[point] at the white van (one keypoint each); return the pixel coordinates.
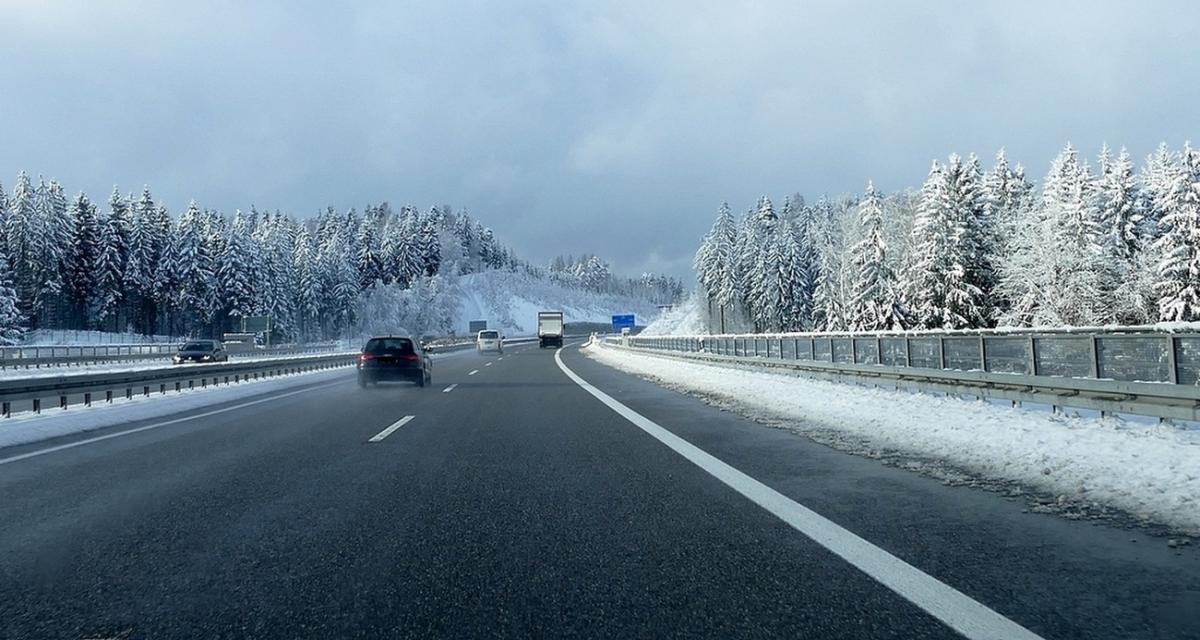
(489, 340)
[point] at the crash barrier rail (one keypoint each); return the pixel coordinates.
(1133, 370)
(65, 356)
(146, 382)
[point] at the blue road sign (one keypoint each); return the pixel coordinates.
(622, 321)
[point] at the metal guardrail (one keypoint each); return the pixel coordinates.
(159, 380)
(1110, 371)
(37, 357)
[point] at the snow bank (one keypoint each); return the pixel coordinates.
(685, 319)
(1148, 470)
(510, 302)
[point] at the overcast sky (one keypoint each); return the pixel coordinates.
(607, 127)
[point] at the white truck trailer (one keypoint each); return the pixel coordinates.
(550, 329)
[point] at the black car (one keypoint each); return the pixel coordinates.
(201, 351)
(394, 358)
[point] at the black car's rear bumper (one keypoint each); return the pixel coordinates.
(375, 374)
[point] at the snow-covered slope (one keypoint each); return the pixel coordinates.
(510, 301)
(685, 319)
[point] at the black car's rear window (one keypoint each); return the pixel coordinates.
(196, 346)
(389, 345)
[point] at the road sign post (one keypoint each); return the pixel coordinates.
(257, 324)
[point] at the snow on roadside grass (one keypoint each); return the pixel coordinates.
(1147, 470)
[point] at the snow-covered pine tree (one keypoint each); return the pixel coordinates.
(84, 256)
(12, 326)
(236, 279)
(1128, 296)
(429, 245)
(707, 261)
(936, 291)
(979, 239)
(1162, 180)
(108, 285)
(23, 236)
(193, 270)
(307, 291)
(1178, 282)
(160, 231)
(368, 260)
(876, 300)
(829, 314)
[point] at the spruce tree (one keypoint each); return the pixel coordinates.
(876, 304)
(84, 256)
(936, 291)
(1178, 284)
(12, 327)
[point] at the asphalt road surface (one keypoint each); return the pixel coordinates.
(519, 504)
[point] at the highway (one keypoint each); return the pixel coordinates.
(535, 496)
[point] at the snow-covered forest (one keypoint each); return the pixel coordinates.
(130, 265)
(974, 248)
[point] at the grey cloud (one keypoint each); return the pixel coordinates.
(614, 128)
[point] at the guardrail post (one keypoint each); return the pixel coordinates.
(942, 351)
(62, 402)
(87, 399)
(6, 409)
(108, 396)
(129, 393)
(1033, 360)
(907, 352)
(982, 355)
(1095, 359)
(1172, 367)
(37, 405)
(853, 350)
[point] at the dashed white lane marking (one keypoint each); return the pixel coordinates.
(500, 358)
(957, 610)
(205, 414)
(487, 364)
(473, 372)
(388, 431)
(450, 388)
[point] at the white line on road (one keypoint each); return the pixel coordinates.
(109, 436)
(500, 358)
(957, 610)
(388, 431)
(473, 372)
(450, 388)
(487, 364)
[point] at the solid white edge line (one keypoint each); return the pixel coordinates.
(473, 372)
(969, 617)
(450, 388)
(388, 431)
(109, 436)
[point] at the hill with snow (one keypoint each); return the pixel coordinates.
(687, 318)
(510, 301)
